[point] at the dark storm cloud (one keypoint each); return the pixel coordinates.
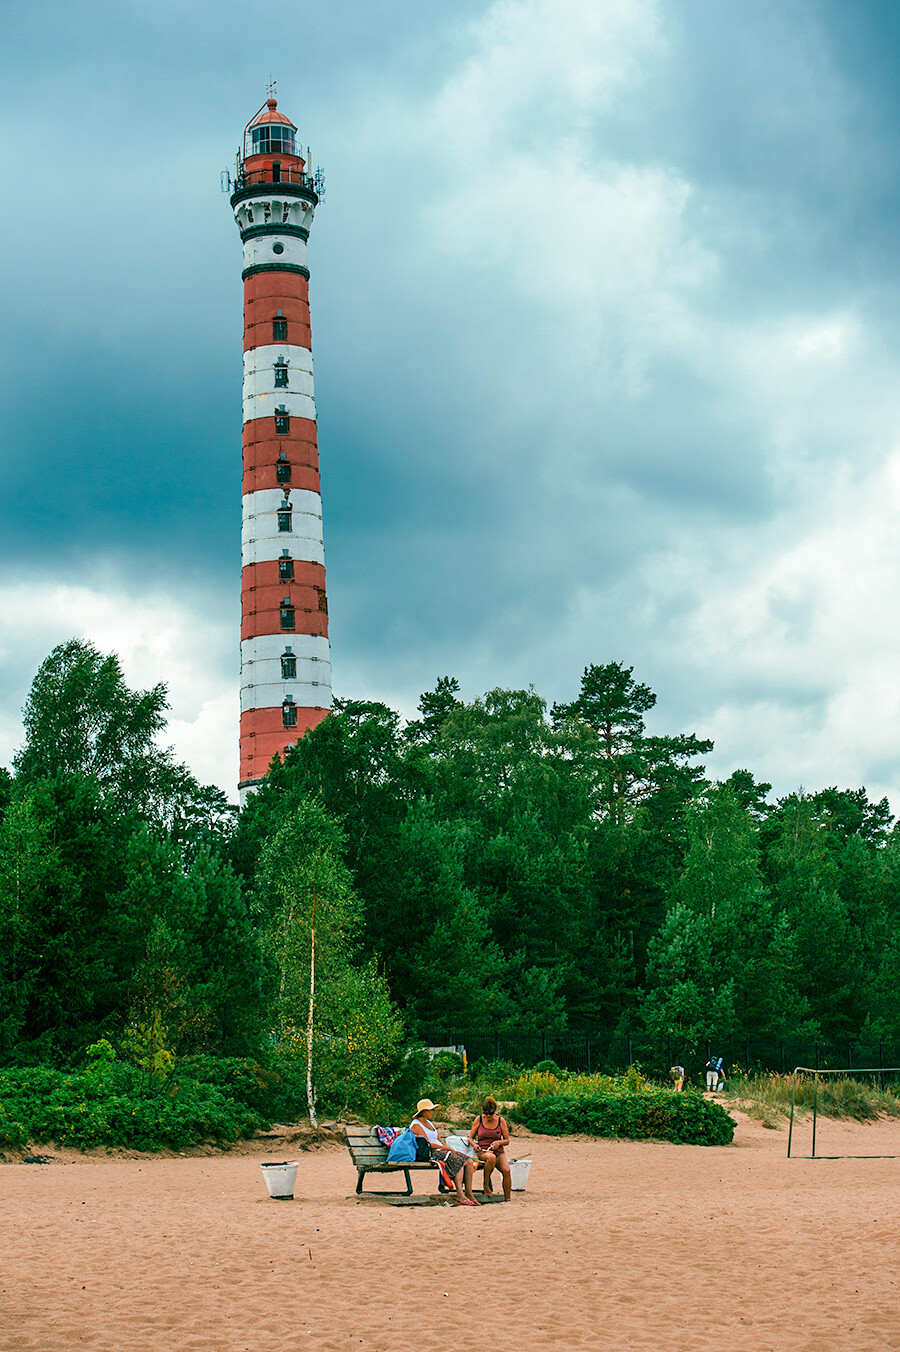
(602, 294)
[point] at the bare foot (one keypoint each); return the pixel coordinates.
(473, 1201)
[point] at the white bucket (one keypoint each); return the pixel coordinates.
(518, 1172)
(280, 1179)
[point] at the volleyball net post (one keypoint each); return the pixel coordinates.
(850, 1074)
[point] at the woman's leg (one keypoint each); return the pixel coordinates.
(490, 1159)
(503, 1166)
(462, 1175)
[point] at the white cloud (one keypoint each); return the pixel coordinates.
(156, 637)
(791, 640)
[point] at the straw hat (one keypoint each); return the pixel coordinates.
(423, 1105)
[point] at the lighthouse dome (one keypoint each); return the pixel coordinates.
(270, 132)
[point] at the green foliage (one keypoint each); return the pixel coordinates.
(627, 765)
(329, 1011)
(493, 1073)
(85, 1110)
(486, 867)
(98, 1057)
(82, 720)
(686, 1119)
(13, 1134)
(447, 1065)
(274, 1090)
(145, 1046)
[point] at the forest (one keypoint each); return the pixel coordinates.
(492, 864)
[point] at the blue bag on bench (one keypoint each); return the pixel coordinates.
(403, 1151)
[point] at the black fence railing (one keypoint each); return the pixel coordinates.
(611, 1052)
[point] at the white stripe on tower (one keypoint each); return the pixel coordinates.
(285, 656)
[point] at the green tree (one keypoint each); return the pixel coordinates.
(745, 974)
(28, 863)
(441, 959)
(628, 765)
(82, 720)
(806, 879)
(435, 706)
(325, 1000)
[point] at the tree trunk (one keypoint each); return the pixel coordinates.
(310, 1096)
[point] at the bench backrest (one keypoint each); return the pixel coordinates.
(365, 1147)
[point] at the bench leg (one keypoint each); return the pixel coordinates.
(408, 1183)
(359, 1181)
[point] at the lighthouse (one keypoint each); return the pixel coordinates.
(285, 657)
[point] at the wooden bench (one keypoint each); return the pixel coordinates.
(370, 1157)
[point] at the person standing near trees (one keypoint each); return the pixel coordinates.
(714, 1073)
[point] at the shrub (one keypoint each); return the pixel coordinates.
(684, 1118)
(549, 1067)
(533, 1084)
(275, 1090)
(12, 1133)
(84, 1109)
(493, 1074)
(447, 1064)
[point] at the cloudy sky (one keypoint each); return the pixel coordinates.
(605, 310)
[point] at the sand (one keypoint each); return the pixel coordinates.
(617, 1245)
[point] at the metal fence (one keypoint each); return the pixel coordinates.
(611, 1052)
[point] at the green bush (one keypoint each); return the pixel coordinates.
(494, 1073)
(549, 1067)
(84, 1109)
(275, 1091)
(12, 1133)
(687, 1119)
(403, 1084)
(446, 1065)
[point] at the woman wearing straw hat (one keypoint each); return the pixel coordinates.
(456, 1164)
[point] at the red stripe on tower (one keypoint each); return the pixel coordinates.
(285, 657)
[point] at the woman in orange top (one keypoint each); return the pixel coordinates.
(490, 1137)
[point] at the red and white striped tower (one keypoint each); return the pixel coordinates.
(285, 658)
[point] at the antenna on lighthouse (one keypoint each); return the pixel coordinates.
(270, 88)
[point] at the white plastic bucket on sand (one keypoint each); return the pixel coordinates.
(518, 1172)
(280, 1179)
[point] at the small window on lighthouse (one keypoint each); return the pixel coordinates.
(283, 472)
(279, 330)
(282, 420)
(287, 617)
(281, 375)
(285, 570)
(288, 665)
(284, 516)
(289, 713)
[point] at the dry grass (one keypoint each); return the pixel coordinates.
(767, 1098)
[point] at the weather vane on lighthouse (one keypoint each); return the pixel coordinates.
(285, 656)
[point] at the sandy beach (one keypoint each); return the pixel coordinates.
(617, 1245)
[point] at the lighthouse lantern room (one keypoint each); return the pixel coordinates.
(285, 658)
